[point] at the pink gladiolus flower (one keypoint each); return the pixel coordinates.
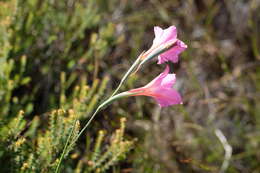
(160, 89)
(164, 36)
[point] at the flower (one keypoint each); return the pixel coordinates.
(164, 36)
(160, 89)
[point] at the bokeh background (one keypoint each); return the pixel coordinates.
(71, 54)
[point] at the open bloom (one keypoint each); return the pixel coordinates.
(160, 89)
(164, 36)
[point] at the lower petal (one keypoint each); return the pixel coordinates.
(172, 54)
(168, 97)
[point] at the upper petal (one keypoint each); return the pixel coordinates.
(168, 81)
(158, 31)
(158, 80)
(163, 36)
(169, 34)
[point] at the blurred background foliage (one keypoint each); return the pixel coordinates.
(59, 59)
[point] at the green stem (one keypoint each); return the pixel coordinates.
(102, 105)
(65, 147)
(127, 74)
(67, 142)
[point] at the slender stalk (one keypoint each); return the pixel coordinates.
(65, 147)
(84, 128)
(67, 142)
(102, 105)
(127, 74)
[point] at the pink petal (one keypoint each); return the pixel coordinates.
(168, 81)
(169, 34)
(168, 97)
(158, 31)
(157, 81)
(163, 36)
(172, 54)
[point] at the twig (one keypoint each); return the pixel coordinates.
(227, 148)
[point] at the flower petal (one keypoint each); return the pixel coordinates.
(172, 54)
(169, 34)
(168, 97)
(157, 81)
(163, 36)
(168, 81)
(158, 31)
